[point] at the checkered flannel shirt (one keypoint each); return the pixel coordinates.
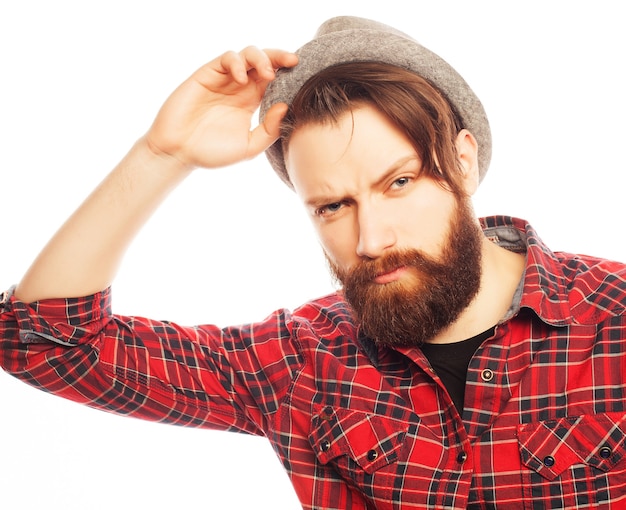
(359, 426)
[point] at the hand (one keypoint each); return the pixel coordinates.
(206, 122)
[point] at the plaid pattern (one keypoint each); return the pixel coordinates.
(360, 427)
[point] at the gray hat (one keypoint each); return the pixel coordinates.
(351, 39)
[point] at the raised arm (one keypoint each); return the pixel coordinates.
(206, 122)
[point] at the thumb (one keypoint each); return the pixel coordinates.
(266, 133)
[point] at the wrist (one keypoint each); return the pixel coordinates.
(158, 158)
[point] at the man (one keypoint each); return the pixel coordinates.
(456, 369)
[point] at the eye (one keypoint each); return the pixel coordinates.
(400, 182)
(329, 209)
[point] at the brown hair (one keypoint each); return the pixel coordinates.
(410, 102)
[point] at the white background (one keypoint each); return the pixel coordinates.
(80, 81)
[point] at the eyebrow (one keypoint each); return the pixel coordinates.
(322, 200)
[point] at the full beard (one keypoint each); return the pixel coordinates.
(418, 306)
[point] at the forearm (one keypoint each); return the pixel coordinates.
(204, 123)
(76, 348)
(83, 256)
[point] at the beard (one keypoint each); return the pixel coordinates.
(426, 299)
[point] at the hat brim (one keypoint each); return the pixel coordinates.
(350, 39)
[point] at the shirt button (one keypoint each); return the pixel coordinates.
(605, 452)
(372, 455)
(325, 446)
(486, 375)
(461, 457)
(549, 461)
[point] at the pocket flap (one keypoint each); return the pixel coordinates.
(372, 441)
(551, 447)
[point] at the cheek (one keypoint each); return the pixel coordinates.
(339, 243)
(423, 221)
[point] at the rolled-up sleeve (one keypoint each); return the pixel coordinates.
(201, 376)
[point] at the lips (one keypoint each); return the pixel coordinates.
(390, 276)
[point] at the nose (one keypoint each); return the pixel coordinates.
(376, 234)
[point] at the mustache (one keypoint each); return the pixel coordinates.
(366, 271)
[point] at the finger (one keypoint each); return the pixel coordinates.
(281, 58)
(259, 61)
(234, 64)
(263, 64)
(260, 64)
(278, 59)
(266, 133)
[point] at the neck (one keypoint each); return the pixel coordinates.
(501, 273)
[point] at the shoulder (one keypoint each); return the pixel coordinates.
(330, 311)
(596, 286)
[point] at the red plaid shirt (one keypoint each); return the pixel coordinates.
(357, 426)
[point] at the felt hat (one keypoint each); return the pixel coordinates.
(352, 39)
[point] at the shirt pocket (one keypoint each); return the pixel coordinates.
(362, 447)
(573, 459)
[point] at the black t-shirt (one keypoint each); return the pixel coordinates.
(450, 362)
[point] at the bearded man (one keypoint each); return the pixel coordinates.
(462, 364)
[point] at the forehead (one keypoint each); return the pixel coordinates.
(357, 148)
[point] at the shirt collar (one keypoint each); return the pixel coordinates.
(543, 287)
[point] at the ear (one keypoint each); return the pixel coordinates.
(467, 151)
